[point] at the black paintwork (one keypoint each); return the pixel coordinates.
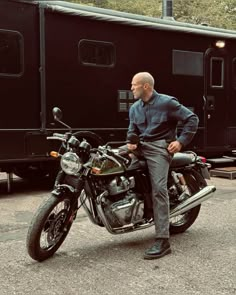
(52, 75)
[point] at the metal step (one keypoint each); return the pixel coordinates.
(226, 172)
(223, 160)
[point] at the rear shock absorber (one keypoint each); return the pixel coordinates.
(179, 181)
(176, 181)
(180, 185)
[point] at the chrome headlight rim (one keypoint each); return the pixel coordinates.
(70, 163)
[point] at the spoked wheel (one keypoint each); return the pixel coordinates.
(181, 223)
(49, 227)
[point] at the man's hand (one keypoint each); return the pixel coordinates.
(174, 147)
(131, 147)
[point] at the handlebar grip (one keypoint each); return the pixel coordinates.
(58, 135)
(56, 138)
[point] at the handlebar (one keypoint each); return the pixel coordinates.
(57, 136)
(117, 156)
(103, 151)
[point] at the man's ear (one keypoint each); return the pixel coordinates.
(146, 86)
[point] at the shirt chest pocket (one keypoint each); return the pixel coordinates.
(159, 118)
(140, 122)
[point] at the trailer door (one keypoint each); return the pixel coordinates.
(232, 101)
(216, 98)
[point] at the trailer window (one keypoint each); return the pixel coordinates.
(125, 100)
(187, 63)
(11, 53)
(96, 53)
(234, 73)
(217, 72)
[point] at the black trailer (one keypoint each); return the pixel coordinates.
(82, 59)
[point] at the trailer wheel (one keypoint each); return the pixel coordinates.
(94, 139)
(30, 172)
(37, 171)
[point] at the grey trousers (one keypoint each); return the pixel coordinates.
(158, 160)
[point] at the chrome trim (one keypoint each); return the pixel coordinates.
(118, 230)
(89, 210)
(195, 200)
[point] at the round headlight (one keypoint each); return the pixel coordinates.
(70, 163)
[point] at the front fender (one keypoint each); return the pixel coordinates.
(62, 189)
(65, 188)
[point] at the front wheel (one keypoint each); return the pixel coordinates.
(49, 227)
(181, 223)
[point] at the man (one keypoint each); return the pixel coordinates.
(154, 117)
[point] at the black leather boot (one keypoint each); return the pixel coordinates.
(159, 249)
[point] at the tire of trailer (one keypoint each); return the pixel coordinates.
(30, 172)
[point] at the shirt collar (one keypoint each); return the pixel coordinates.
(151, 100)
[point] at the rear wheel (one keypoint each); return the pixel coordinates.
(49, 227)
(181, 223)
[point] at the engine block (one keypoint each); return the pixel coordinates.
(129, 209)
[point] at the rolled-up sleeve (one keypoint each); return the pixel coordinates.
(132, 126)
(187, 117)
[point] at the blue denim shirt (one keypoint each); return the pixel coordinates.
(157, 119)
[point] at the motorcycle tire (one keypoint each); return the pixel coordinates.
(182, 222)
(49, 227)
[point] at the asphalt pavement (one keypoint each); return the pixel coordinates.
(92, 261)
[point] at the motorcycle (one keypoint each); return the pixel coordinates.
(113, 195)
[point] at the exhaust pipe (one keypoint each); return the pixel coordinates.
(195, 200)
(167, 9)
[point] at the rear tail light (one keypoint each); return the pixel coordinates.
(203, 159)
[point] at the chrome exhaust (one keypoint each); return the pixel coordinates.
(195, 200)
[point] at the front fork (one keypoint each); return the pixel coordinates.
(73, 193)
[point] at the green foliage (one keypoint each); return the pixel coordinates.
(153, 8)
(217, 13)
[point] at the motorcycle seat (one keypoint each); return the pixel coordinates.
(182, 159)
(179, 160)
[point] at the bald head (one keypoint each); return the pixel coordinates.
(145, 77)
(142, 85)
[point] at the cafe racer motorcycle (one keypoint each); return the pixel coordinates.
(113, 195)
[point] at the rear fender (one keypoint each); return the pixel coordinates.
(202, 169)
(199, 178)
